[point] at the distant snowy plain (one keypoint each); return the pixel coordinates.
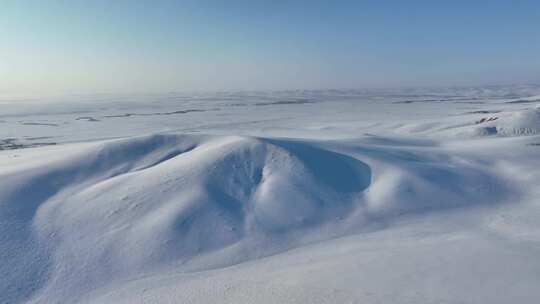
(338, 196)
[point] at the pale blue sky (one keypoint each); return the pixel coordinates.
(151, 46)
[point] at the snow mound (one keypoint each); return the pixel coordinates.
(513, 123)
(133, 205)
(88, 215)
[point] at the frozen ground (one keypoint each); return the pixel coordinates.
(396, 196)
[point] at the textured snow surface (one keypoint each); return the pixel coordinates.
(290, 197)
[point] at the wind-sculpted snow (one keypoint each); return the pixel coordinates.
(522, 122)
(510, 122)
(338, 196)
(87, 216)
(27, 248)
(125, 206)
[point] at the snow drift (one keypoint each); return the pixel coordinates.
(91, 214)
(511, 123)
(132, 205)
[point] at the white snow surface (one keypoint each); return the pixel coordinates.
(341, 196)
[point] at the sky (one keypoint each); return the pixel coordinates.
(103, 46)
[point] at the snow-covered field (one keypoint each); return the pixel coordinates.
(343, 196)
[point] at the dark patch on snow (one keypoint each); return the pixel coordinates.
(523, 101)
(37, 138)
(487, 119)
(454, 100)
(489, 131)
(87, 118)
(14, 144)
(483, 112)
(284, 102)
(155, 114)
(31, 123)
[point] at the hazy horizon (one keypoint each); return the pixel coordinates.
(53, 47)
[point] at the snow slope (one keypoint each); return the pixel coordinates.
(333, 216)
